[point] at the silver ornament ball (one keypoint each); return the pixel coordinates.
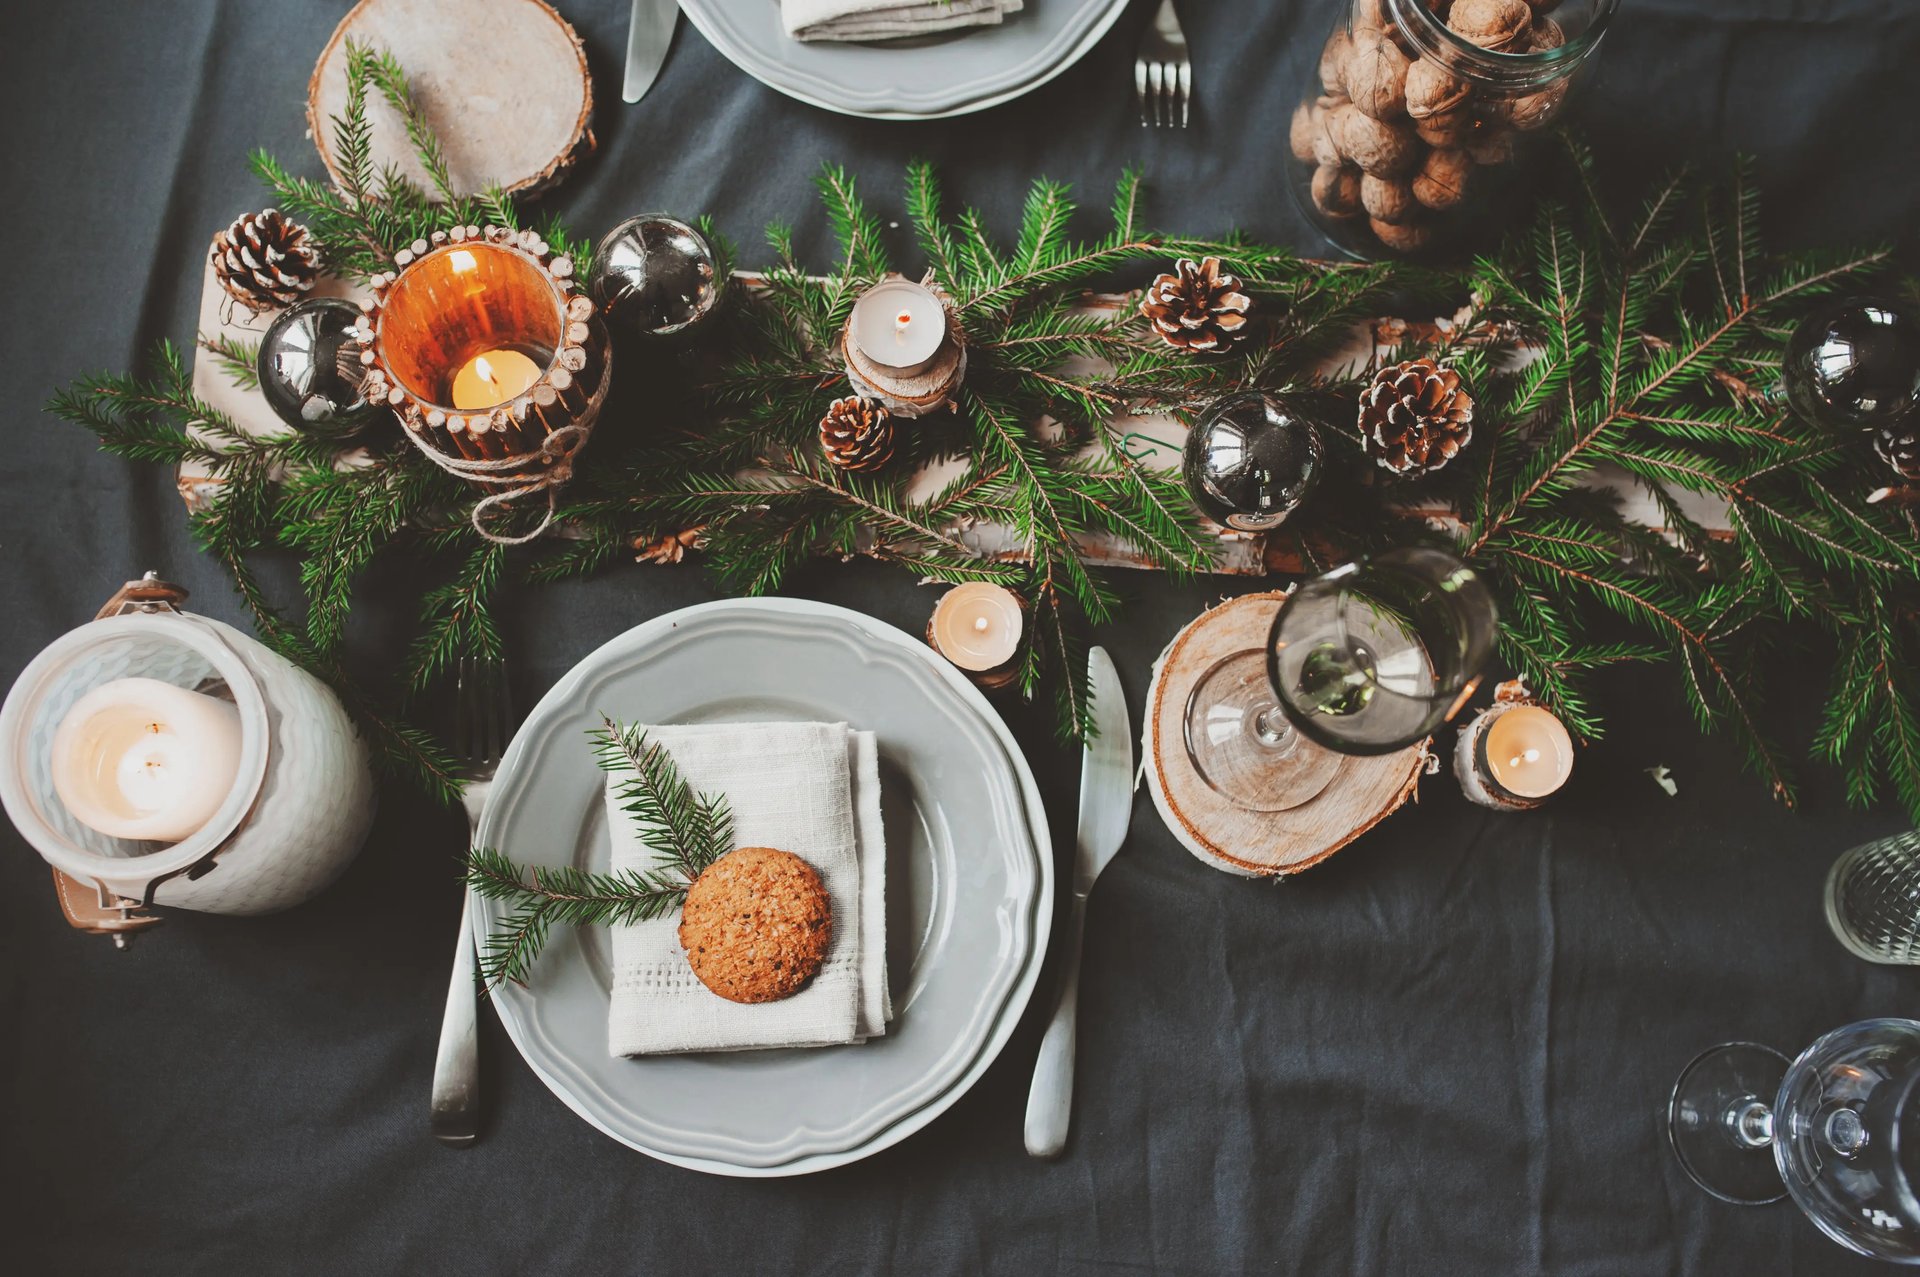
(655, 274)
(309, 366)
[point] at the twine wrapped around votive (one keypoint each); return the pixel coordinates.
(457, 298)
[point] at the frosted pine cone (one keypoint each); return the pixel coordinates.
(1415, 417)
(1198, 307)
(264, 260)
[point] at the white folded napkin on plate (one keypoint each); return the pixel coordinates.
(888, 19)
(809, 788)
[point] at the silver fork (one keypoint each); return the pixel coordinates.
(1162, 76)
(482, 722)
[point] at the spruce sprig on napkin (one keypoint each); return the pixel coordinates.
(689, 831)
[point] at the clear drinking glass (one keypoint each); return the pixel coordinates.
(1837, 1129)
(1873, 899)
(1365, 659)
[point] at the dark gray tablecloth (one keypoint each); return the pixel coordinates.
(1444, 1051)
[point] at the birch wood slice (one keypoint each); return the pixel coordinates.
(1255, 844)
(504, 84)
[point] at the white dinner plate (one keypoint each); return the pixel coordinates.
(950, 73)
(969, 885)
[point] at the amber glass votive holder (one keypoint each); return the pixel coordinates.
(469, 295)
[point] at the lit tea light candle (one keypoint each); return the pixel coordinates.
(1529, 752)
(138, 758)
(899, 324)
(977, 626)
(488, 380)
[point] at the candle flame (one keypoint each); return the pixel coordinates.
(462, 261)
(980, 623)
(483, 369)
(904, 318)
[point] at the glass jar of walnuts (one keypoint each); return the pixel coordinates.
(1420, 107)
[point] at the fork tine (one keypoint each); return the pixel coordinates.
(462, 716)
(500, 714)
(1186, 91)
(1157, 76)
(1140, 90)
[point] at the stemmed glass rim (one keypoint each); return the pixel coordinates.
(1441, 695)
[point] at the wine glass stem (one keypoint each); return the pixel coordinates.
(1751, 1123)
(1271, 729)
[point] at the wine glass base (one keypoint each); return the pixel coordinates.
(1239, 741)
(1721, 1086)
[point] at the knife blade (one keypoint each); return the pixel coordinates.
(649, 36)
(1106, 808)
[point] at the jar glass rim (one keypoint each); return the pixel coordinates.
(1533, 68)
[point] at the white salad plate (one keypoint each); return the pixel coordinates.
(969, 885)
(949, 73)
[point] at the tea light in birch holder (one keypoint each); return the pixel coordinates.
(484, 344)
(978, 626)
(142, 759)
(1515, 754)
(904, 346)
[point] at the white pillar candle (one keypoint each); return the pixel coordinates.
(142, 759)
(977, 626)
(899, 324)
(1529, 751)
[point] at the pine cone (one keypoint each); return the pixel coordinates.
(1898, 444)
(1199, 307)
(668, 547)
(1415, 417)
(265, 260)
(857, 434)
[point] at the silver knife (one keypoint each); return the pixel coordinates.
(649, 35)
(1106, 806)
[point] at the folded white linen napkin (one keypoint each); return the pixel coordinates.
(809, 788)
(888, 19)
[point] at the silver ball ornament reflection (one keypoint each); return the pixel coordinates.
(655, 274)
(1853, 366)
(309, 366)
(1250, 460)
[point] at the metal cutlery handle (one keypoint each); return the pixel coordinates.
(1050, 1102)
(456, 1067)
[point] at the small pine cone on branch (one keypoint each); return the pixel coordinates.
(668, 547)
(857, 434)
(1415, 417)
(264, 260)
(1898, 444)
(1199, 307)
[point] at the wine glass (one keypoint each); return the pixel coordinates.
(1366, 659)
(1838, 1130)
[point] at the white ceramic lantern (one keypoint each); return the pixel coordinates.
(299, 806)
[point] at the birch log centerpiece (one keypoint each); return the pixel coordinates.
(503, 83)
(1255, 844)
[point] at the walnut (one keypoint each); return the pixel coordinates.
(1376, 75)
(1300, 132)
(1500, 25)
(1432, 91)
(1336, 191)
(1546, 35)
(1535, 110)
(1380, 148)
(1407, 237)
(1326, 137)
(1442, 180)
(1445, 128)
(1333, 62)
(1309, 135)
(1387, 199)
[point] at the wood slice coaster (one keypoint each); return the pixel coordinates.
(504, 84)
(1256, 844)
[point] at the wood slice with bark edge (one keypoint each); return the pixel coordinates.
(1255, 844)
(504, 83)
